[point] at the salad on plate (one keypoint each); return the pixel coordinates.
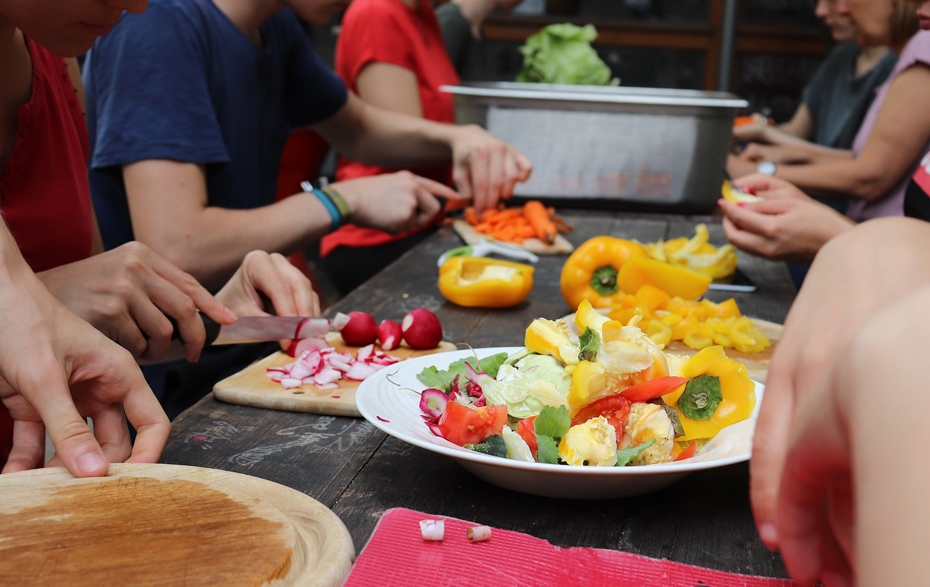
(606, 397)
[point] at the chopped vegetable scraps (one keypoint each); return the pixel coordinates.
(432, 530)
(696, 254)
(324, 367)
(478, 533)
(514, 225)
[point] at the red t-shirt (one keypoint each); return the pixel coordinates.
(44, 191)
(389, 31)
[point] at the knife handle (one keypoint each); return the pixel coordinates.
(212, 328)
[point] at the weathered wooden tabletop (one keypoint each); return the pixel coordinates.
(359, 472)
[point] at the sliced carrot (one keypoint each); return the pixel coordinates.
(538, 217)
(471, 216)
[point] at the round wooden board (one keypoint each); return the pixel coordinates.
(166, 525)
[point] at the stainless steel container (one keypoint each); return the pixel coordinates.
(610, 146)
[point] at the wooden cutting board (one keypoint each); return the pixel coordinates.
(757, 364)
(561, 246)
(166, 525)
(252, 387)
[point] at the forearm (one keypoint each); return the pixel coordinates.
(377, 137)
(839, 178)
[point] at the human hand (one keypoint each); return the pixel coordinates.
(58, 370)
(847, 442)
(784, 228)
(486, 169)
(739, 167)
(269, 277)
(128, 293)
(394, 202)
(854, 275)
(769, 187)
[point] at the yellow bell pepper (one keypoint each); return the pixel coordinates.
(591, 271)
(589, 383)
(547, 337)
(738, 391)
(485, 283)
(674, 280)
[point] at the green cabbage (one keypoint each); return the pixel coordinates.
(562, 54)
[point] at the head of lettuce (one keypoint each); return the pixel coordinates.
(562, 54)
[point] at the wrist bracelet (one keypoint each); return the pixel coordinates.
(339, 201)
(324, 199)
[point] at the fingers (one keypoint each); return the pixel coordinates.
(479, 171)
(760, 182)
(112, 433)
(289, 290)
(146, 415)
(74, 443)
(28, 447)
(770, 444)
(439, 189)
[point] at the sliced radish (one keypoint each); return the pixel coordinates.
(433, 402)
(339, 321)
(308, 328)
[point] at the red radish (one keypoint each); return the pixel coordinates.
(360, 330)
(311, 327)
(422, 329)
(339, 321)
(299, 345)
(389, 335)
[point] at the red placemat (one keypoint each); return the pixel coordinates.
(396, 554)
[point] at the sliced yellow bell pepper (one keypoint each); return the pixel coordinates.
(739, 393)
(548, 337)
(591, 271)
(676, 281)
(485, 283)
(589, 383)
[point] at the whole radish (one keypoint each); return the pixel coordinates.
(422, 329)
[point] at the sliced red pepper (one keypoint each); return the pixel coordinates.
(528, 434)
(653, 388)
(688, 452)
(613, 407)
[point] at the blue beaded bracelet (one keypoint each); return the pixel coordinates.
(331, 208)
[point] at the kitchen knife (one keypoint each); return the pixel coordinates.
(261, 328)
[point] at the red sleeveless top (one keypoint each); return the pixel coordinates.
(44, 190)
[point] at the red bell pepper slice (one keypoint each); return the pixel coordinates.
(653, 388)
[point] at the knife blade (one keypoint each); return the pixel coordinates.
(263, 328)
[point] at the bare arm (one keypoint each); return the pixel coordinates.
(168, 204)
(390, 87)
(897, 140)
(484, 168)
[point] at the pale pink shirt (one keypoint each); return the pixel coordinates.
(917, 50)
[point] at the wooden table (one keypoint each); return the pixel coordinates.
(359, 472)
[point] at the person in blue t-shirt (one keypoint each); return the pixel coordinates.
(189, 107)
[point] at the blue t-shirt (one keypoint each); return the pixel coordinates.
(182, 82)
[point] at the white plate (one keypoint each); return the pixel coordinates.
(385, 399)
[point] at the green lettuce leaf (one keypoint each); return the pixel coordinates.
(435, 378)
(562, 54)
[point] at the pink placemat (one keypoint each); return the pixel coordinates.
(396, 554)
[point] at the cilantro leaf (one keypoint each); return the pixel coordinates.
(552, 422)
(625, 455)
(590, 343)
(436, 378)
(548, 451)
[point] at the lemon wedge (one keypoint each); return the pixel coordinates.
(736, 195)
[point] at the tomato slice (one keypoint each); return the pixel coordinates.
(528, 433)
(466, 425)
(688, 452)
(653, 388)
(613, 407)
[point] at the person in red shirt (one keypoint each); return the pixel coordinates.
(391, 54)
(125, 293)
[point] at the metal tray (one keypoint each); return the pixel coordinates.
(610, 146)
